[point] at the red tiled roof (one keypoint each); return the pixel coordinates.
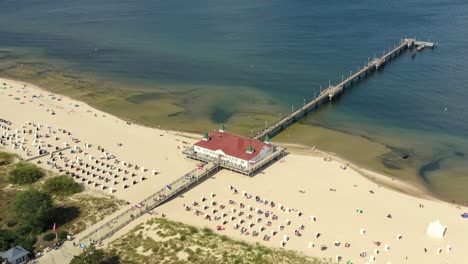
(232, 145)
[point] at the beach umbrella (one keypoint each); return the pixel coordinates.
(17, 98)
(465, 215)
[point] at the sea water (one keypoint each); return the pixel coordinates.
(224, 57)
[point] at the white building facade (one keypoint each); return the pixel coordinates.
(233, 150)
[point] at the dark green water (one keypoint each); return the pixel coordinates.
(250, 57)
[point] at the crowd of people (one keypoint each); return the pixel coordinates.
(256, 216)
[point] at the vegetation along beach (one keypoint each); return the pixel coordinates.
(233, 132)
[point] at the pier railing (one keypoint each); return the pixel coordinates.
(117, 223)
(329, 93)
(246, 170)
(169, 191)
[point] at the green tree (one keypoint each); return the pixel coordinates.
(7, 239)
(25, 173)
(33, 209)
(62, 235)
(95, 256)
(61, 186)
(48, 237)
(26, 236)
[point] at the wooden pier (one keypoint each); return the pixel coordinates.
(171, 190)
(331, 92)
(212, 165)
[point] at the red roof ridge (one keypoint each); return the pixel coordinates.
(232, 145)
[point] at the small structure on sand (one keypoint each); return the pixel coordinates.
(16, 255)
(436, 229)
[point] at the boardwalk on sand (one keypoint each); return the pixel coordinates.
(113, 225)
(330, 92)
(45, 154)
(192, 178)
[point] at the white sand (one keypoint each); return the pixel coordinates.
(335, 211)
(146, 147)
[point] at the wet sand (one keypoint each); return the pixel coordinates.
(342, 201)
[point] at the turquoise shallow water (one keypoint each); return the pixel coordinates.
(286, 49)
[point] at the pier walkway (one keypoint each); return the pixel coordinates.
(210, 166)
(331, 92)
(171, 190)
(192, 178)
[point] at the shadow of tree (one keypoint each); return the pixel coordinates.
(67, 214)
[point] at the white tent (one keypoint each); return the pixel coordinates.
(436, 229)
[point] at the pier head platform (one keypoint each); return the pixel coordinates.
(235, 153)
(332, 91)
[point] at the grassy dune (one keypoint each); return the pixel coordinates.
(74, 213)
(164, 241)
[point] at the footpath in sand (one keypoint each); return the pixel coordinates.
(302, 202)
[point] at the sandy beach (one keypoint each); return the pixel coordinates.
(305, 202)
(150, 149)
